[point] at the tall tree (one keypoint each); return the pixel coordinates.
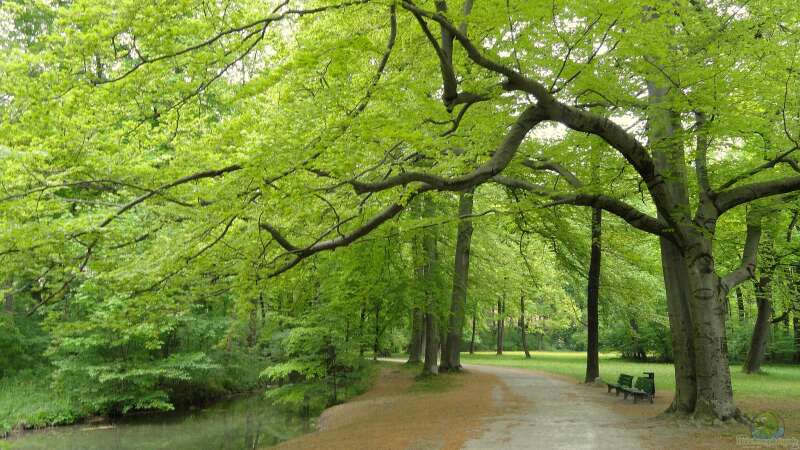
(451, 352)
(760, 336)
(592, 300)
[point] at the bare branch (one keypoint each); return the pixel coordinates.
(193, 177)
(783, 157)
(260, 25)
(542, 164)
(301, 253)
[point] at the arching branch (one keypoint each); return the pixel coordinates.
(626, 212)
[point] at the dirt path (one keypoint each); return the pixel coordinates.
(491, 407)
(550, 413)
(401, 413)
(484, 408)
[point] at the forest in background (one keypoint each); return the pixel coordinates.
(199, 199)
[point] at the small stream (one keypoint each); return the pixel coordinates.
(247, 422)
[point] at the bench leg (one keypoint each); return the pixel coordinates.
(635, 397)
(651, 399)
(609, 389)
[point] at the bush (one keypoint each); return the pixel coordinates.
(314, 368)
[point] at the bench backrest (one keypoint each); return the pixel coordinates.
(625, 380)
(645, 384)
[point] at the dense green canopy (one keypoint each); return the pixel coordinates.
(189, 184)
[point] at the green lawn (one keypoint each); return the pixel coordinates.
(777, 381)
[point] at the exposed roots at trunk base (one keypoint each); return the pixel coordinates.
(704, 416)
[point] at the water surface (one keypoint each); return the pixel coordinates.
(248, 422)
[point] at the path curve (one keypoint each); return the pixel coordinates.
(543, 412)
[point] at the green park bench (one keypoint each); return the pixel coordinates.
(644, 388)
(624, 381)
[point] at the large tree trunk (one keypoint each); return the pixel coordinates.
(669, 157)
(592, 300)
(500, 325)
(676, 282)
(760, 337)
(417, 334)
(431, 365)
(714, 390)
(451, 350)
(522, 326)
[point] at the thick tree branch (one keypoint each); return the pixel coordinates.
(300, 253)
(580, 120)
(499, 160)
(747, 193)
(747, 268)
(626, 212)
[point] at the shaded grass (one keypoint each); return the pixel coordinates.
(427, 383)
(777, 381)
(27, 400)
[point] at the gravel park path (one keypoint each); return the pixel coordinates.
(540, 411)
(492, 407)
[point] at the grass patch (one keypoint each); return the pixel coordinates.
(434, 383)
(27, 400)
(778, 381)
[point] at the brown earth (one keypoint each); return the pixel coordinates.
(502, 408)
(401, 413)
(672, 433)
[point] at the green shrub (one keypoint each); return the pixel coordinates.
(314, 368)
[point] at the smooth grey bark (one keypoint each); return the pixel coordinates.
(431, 366)
(592, 299)
(662, 126)
(760, 336)
(451, 350)
(522, 327)
(415, 344)
(429, 252)
(676, 283)
(714, 390)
